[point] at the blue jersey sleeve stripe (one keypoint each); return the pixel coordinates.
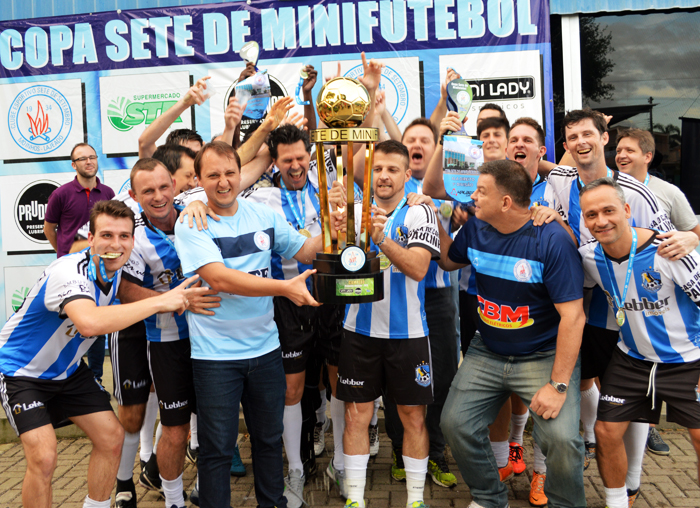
(502, 267)
(574, 216)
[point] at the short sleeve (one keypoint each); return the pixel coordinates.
(54, 208)
(423, 229)
(458, 249)
(195, 248)
(685, 273)
(288, 241)
(64, 286)
(682, 214)
(135, 268)
(563, 270)
(586, 253)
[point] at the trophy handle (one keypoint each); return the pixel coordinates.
(366, 231)
(323, 199)
(351, 197)
(339, 165)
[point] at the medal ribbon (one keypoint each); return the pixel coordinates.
(390, 220)
(609, 175)
(92, 272)
(646, 181)
(630, 267)
(301, 224)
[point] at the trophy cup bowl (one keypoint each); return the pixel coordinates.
(345, 272)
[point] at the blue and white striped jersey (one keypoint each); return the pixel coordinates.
(154, 264)
(436, 276)
(243, 327)
(39, 340)
(561, 193)
(401, 314)
(662, 318)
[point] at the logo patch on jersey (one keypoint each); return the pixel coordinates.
(615, 401)
(262, 240)
(423, 374)
(401, 235)
(522, 270)
(18, 408)
(504, 316)
(129, 384)
(651, 280)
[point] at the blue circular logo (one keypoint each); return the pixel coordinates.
(394, 86)
(40, 119)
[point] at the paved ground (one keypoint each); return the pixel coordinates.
(666, 481)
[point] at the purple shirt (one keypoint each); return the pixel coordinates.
(69, 207)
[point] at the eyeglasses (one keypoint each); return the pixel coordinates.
(83, 159)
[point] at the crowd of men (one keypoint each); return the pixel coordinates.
(577, 301)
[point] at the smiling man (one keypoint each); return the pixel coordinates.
(236, 353)
(529, 286)
(44, 383)
(585, 136)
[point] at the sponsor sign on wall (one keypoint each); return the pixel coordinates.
(118, 180)
(131, 102)
(43, 119)
(18, 281)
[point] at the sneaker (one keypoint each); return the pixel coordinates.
(294, 488)
(506, 472)
(631, 497)
(150, 481)
(339, 478)
(352, 504)
(125, 500)
(588, 455)
(143, 464)
(237, 466)
(194, 496)
(373, 440)
(417, 504)
(440, 473)
(537, 497)
(320, 436)
(192, 453)
(516, 457)
(656, 444)
(398, 472)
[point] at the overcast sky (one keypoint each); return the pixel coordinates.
(656, 55)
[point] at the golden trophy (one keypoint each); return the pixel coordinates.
(346, 273)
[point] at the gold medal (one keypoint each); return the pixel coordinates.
(446, 210)
(620, 316)
(384, 262)
(305, 232)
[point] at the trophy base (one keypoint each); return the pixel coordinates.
(333, 283)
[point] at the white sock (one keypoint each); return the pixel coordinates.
(126, 464)
(540, 466)
(292, 436)
(173, 491)
(416, 469)
(159, 433)
(635, 440)
(91, 503)
(517, 427)
(500, 451)
(373, 422)
(149, 423)
(321, 411)
(194, 440)
(616, 498)
(338, 417)
(356, 477)
(589, 412)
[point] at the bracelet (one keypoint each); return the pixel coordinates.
(382, 241)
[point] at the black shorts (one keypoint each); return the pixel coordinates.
(132, 377)
(304, 329)
(368, 366)
(31, 403)
(468, 318)
(597, 347)
(623, 391)
(171, 370)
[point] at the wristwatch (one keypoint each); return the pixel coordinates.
(560, 387)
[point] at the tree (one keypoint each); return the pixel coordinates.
(674, 133)
(596, 45)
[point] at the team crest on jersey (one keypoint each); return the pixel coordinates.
(522, 270)
(262, 240)
(651, 280)
(423, 374)
(401, 234)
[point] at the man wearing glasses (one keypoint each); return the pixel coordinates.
(68, 209)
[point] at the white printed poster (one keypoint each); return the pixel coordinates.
(18, 281)
(131, 102)
(43, 119)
